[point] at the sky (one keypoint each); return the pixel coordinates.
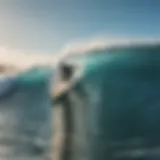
(47, 26)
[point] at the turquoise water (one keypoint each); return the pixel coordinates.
(26, 116)
(116, 104)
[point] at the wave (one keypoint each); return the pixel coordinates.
(115, 103)
(25, 114)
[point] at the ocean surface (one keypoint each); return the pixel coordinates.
(26, 115)
(114, 102)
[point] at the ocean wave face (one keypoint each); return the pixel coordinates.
(117, 114)
(125, 116)
(25, 115)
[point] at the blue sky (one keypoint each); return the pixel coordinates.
(48, 25)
